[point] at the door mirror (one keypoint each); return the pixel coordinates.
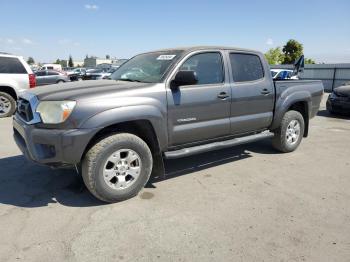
(299, 66)
(184, 78)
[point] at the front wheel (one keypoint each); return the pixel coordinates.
(117, 167)
(288, 136)
(7, 105)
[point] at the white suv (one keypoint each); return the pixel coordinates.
(15, 76)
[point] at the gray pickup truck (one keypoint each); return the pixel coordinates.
(163, 104)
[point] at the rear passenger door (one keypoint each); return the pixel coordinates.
(52, 77)
(252, 93)
(202, 111)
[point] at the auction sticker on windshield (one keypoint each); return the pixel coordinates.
(166, 57)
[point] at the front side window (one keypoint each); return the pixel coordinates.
(207, 66)
(246, 67)
(11, 65)
(147, 68)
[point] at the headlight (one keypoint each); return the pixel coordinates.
(55, 112)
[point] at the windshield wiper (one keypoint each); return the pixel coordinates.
(129, 80)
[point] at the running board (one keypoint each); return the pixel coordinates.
(217, 145)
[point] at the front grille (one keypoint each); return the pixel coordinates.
(24, 110)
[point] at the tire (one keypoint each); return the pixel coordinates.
(60, 81)
(110, 154)
(7, 105)
(283, 140)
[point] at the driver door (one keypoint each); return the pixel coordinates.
(200, 112)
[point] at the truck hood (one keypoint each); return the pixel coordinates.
(343, 90)
(74, 90)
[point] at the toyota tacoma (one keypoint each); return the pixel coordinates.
(163, 104)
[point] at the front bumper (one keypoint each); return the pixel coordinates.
(338, 105)
(53, 147)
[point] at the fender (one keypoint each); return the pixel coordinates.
(286, 100)
(129, 113)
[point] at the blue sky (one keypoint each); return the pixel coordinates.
(48, 30)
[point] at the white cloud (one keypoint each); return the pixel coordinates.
(27, 41)
(91, 7)
(269, 41)
(10, 40)
(64, 41)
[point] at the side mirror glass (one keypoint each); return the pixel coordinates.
(183, 78)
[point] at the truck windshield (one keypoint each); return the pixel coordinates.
(147, 68)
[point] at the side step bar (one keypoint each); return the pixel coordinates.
(217, 145)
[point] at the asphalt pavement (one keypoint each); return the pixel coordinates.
(248, 203)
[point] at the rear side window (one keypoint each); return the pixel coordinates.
(208, 67)
(246, 67)
(11, 65)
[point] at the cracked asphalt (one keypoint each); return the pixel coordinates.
(247, 203)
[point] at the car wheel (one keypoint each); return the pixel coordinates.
(7, 105)
(288, 136)
(117, 167)
(60, 81)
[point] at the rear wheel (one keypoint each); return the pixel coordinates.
(288, 136)
(7, 105)
(117, 167)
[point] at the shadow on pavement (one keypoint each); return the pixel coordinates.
(325, 113)
(183, 166)
(28, 185)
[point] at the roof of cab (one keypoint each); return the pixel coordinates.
(198, 48)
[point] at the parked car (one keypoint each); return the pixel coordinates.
(96, 74)
(49, 77)
(76, 73)
(109, 72)
(338, 101)
(51, 67)
(116, 132)
(281, 74)
(15, 76)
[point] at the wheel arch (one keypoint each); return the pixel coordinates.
(298, 101)
(303, 108)
(9, 90)
(142, 128)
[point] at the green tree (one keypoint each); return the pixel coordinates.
(274, 56)
(30, 60)
(57, 61)
(292, 51)
(108, 57)
(309, 61)
(70, 61)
